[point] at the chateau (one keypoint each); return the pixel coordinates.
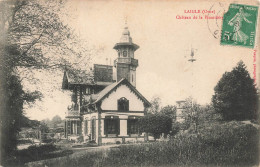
(106, 110)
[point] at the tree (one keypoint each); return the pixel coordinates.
(32, 32)
(155, 105)
(156, 124)
(43, 127)
(170, 111)
(12, 117)
(235, 95)
(56, 120)
(191, 113)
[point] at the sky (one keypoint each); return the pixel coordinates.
(165, 45)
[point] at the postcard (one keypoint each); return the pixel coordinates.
(129, 83)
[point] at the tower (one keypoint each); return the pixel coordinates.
(125, 63)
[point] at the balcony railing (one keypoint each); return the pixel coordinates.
(126, 60)
(73, 110)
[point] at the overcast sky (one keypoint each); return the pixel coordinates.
(165, 43)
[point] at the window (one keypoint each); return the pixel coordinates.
(123, 104)
(86, 127)
(111, 125)
(79, 128)
(93, 128)
(125, 53)
(132, 126)
(68, 127)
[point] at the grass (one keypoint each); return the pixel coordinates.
(36, 153)
(226, 144)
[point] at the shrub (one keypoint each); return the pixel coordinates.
(226, 144)
(176, 126)
(239, 141)
(155, 124)
(36, 153)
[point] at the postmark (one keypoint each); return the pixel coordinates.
(239, 26)
(214, 25)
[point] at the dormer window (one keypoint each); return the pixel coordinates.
(123, 104)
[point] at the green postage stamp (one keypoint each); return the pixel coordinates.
(239, 25)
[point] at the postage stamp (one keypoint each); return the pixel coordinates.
(239, 26)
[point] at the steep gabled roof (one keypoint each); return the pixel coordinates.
(76, 78)
(79, 77)
(109, 89)
(102, 75)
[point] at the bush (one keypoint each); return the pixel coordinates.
(176, 127)
(156, 124)
(240, 141)
(36, 153)
(226, 144)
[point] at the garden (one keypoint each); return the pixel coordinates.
(221, 144)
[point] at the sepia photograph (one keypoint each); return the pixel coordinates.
(129, 83)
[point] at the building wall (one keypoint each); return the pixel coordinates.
(123, 137)
(89, 117)
(110, 103)
(123, 126)
(123, 71)
(133, 76)
(123, 121)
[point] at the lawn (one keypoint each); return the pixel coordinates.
(221, 144)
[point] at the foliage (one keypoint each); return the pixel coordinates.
(235, 95)
(155, 105)
(176, 127)
(155, 124)
(170, 111)
(232, 144)
(190, 113)
(58, 130)
(44, 128)
(12, 113)
(31, 33)
(54, 122)
(36, 153)
(35, 32)
(196, 115)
